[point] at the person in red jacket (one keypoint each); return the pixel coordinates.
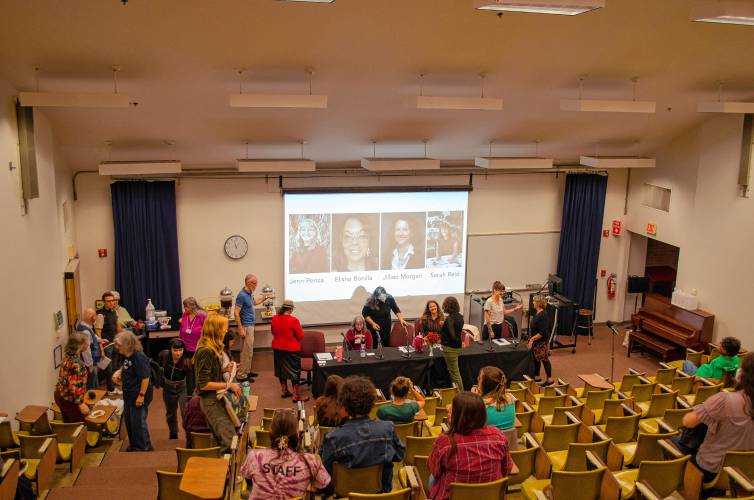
(286, 348)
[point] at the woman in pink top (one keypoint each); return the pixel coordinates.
(282, 471)
(729, 417)
(192, 322)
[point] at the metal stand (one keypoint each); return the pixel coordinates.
(346, 350)
(407, 354)
(380, 354)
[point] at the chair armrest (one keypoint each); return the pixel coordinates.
(646, 491)
(705, 380)
(444, 427)
(45, 445)
(740, 480)
(681, 373)
(692, 351)
(3, 418)
(530, 441)
(628, 409)
(621, 395)
(598, 432)
(670, 448)
(7, 467)
(527, 407)
(528, 378)
(572, 418)
(540, 495)
(631, 371)
(561, 381)
(381, 395)
(664, 365)
(664, 388)
(559, 392)
(78, 431)
(664, 426)
(574, 400)
(593, 461)
(644, 380)
(682, 402)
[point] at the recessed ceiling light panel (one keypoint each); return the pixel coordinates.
(724, 12)
(732, 107)
(467, 103)
(601, 162)
(316, 101)
(560, 7)
(399, 164)
(608, 106)
(127, 168)
(262, 165)
(74, 100)
(512, 163)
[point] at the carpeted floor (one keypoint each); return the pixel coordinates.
(130, 476)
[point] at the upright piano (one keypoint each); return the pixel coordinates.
(667, 329)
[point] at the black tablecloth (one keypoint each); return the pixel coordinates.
(425, 371)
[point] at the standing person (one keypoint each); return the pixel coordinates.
(729, 417)
(137, 390)
(308, 255)
(376, 312)
(402, 410)
(124, 318)
(209, 380)
(286, 349)
(106, 327)
(361, 441)
(495, 311)
(472, 452)
(283, 471)
(450, 338)
(431, 319)
(191, 325)
(71, 387)
(501, 407)
(86, 326)
(358, 334)
(244, 314)
(539, 340)
(176, 369)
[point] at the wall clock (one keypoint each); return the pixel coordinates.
(236, 247)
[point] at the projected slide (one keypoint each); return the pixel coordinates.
(340, 246)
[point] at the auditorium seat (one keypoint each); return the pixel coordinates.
(564, 485)
(663, 478)
(493, 489)
(9, 478)
(403, 494)
(313, 342)
(201, 440)
(399, 335)
(167, 485)
(743, 461)
(356, 480)
(183, 454)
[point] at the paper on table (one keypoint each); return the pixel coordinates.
(403, 348)
(501, 342)
(323, 356)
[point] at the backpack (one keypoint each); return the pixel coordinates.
(156, 373)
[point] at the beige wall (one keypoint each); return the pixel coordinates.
(32, 261)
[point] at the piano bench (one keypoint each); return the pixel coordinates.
(655, 344)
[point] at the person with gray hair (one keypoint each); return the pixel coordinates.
(244, 314)
(124, 318)
(134, 375)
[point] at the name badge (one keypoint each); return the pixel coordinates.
(188, 331)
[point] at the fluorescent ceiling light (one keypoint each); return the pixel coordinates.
(261, 165)
(445, 102)
(601, 162)
(725, 12)
(561, 7)
(398, 164)
(124, 168)
(512, 163)
(74, 100)
(318, 101)
(308, 1)
(726, 107)
(610, 106)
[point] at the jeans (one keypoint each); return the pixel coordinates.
(174, 395)
(111, 352)
(451, 360)
(497, 331)
(689, 367)
(136, 425)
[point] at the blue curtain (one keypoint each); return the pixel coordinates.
(583, 207)
(146, 246)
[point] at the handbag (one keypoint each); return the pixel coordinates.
(692, 438)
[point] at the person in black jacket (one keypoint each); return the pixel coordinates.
(450, 338)
(539, 340)
(176, 371)
(376, 313)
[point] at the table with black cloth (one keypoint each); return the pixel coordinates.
(425, 371)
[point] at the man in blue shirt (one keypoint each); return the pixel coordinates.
(244, 313)
(86, 326)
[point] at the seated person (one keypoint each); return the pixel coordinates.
(194, 419)
(471, 451)
(283, 471)
(727, 361)
(358, 334)
(501, 407)
(401, 410)
(347, 444)
(326, 407)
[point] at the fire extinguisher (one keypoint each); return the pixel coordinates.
(611, 285)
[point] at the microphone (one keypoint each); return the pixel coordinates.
(611, 326)
(346, 349)
(408, 345)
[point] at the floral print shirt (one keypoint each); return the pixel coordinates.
(72, 379)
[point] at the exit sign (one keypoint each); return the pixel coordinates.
(652, 228)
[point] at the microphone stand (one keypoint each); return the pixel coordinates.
(490, 333)
(407, 354)
(346, 349)
(379, 354)
(611, 326)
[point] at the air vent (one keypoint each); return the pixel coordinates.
(656, 197)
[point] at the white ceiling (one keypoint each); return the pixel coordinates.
(179, 61)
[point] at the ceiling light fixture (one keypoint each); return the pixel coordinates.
(76, 99)
(513, 163)
(270, 165)
(481, 103)
(241, 100)
(724, 12)
(560, 7)
(140, 168)
(376, 164)
(308, 1)
(720, 106)
(606, 162)
(608, 105)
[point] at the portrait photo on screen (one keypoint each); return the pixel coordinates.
(403, 240)
(309, 243)
(444, 233)
(356, 242)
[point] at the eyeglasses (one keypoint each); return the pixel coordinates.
(355, 236)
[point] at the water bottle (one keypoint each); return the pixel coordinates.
(246, 389)
(149, 311)
(363, 349)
